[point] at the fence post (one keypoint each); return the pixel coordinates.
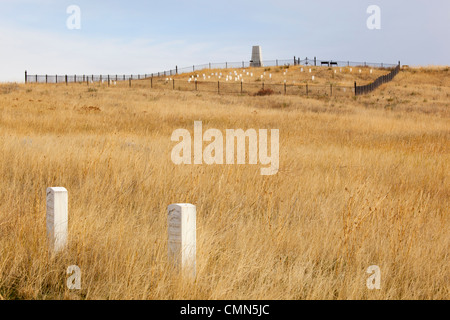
(108, 80)
(285, 88)
(355, 88)
(57, 218)
(315, 62)
(46, 78)
(173, 84)
(26, 78)
(226, 65)
(66, 79)
(295, 61)
(242, 86)
(36, 78)
(182, 238)
(56, 78)
(74, 78)
(276, 62)
(151, 82)
(243, 64)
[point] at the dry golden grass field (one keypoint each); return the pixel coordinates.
(362, 181)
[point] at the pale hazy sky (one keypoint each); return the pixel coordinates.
(134, 36)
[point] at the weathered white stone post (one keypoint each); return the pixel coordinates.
(57, 218)
(182, 237)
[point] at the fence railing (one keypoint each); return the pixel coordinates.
(359, 90)
(157, 77)
(274, 63)
(241, 87)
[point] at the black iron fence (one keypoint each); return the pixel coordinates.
(359, 90)
(159, 79)
(274, 63)
(81, 78)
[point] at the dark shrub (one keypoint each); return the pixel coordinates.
(265, 92)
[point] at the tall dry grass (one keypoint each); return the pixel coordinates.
(363, 181)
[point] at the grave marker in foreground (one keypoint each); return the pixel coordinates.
(57, 218)
(182, 237)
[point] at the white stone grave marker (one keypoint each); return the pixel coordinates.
(57, 218)
(182, 237)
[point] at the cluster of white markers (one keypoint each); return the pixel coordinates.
(239, 75)
(231, 76)
(111, 82)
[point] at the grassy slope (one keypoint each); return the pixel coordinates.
(363, 181)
